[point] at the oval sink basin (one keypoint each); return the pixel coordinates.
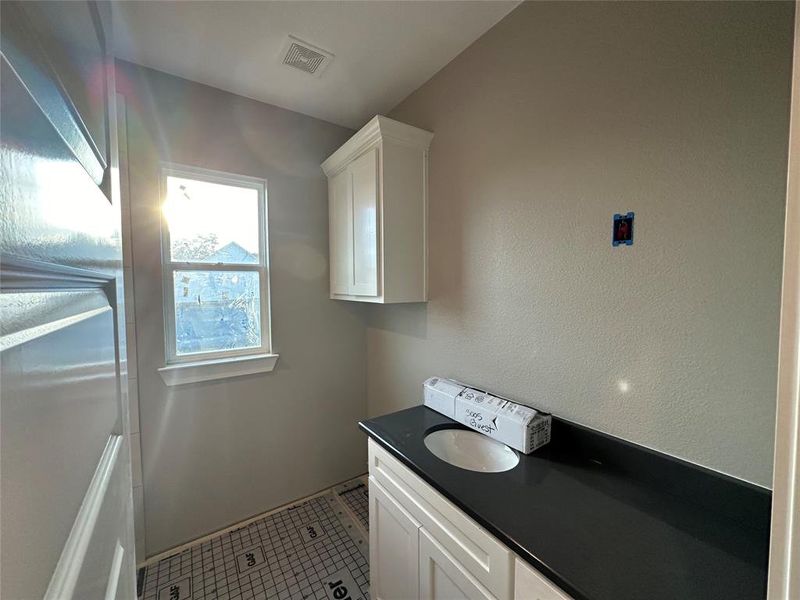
(471, 450)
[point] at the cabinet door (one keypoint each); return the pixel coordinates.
(341, 232)
(393, 548)
(441, 577)
(364, 174)
(530, 585)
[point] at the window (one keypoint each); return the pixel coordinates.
(214, 260)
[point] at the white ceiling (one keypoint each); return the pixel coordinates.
(384, 50)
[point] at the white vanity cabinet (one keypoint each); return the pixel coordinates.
(423, 547)
(377, 210)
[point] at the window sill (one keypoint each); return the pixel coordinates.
(220, 368)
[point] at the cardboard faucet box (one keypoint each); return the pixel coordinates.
(518, 426)
(440, 395)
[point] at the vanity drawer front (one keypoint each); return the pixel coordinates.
(488, 560)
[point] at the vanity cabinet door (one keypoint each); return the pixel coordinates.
(530, 585)
(393, 548)
(441, 577)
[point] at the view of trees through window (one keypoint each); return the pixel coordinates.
(199, 247)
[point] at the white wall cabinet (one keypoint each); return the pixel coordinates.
(423, 547)
(378, 205)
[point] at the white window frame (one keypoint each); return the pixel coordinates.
(223, 363)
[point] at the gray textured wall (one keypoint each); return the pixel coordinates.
(561, 115)
(215, 453)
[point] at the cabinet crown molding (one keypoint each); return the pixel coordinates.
(378, 128)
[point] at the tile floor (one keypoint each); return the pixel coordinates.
(316, 549)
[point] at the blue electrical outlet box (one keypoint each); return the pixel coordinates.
(622, 230)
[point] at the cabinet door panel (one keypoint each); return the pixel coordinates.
(341, 233)
(530, 585)
(393, 547)
(364, 173)
(441, 577)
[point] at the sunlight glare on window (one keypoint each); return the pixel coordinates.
(211, 222)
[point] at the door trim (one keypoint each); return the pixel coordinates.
(784, 555)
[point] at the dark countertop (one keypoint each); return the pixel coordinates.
(604, 519)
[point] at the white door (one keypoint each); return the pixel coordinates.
(66, 512)
(340, 207)
(441, 577)
(393, 548)
(364, 182)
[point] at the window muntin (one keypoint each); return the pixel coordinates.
(214, 255)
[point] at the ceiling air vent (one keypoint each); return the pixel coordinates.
(305, 57)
